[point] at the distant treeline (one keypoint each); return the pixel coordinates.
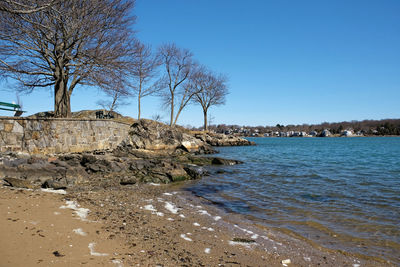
(366, 127)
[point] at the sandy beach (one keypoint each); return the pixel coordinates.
(40, 228)
(142, 225)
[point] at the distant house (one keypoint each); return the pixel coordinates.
(314, 133)
(360, 133)
(326, 133)
(296, 134)
(283, 134)
(299, 134)
(347, 133)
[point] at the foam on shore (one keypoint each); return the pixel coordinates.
(94, 253)
(81, 212)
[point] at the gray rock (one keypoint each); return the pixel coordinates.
(221, 161)
(54, 184)
(59, 163)
(73, 160)
(195, 172)
(177, 174)
(19, 183)
(152, 135)
(88, 159)
(223, 140)
(14, 162)
(128, 181)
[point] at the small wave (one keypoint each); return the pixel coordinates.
(342, 193)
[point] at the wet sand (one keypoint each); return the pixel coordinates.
(142, 225)
(35, 231)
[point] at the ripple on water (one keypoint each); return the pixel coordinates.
(342, 193)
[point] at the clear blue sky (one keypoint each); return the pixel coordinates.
(289, 62)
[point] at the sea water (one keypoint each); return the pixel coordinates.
(341, 193)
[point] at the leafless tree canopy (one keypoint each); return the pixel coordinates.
(143, 70)
(25, 7)
(211, 90)
(63, 44)
(69, 43)
(178, 64)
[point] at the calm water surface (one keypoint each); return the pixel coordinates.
(342, 193)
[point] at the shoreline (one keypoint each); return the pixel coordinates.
(295, 242)
(163, 225)
(314, 223)
(332, 136)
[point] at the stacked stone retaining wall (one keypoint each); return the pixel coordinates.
(55, 135)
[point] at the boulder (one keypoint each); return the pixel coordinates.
(88, 159)
(221, 161)
(128, 181)
(55, 184)
(59, 163)
(73, 160)
(19, 183)
(195, 172)
(178, 174)
(140, 164)
(153, 135)
(14, 162)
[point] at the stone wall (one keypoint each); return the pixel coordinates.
(59, 135)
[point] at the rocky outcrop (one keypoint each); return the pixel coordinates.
(151, 152)
(153, 135)
(40, 170)
(103, 168)
(213, 139)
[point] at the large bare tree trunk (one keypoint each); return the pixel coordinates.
(177, 116)
(205, 120)
(62, 103)
(139, 97)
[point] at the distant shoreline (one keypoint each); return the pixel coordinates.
(336, 136)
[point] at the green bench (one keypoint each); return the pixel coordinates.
(12, 107)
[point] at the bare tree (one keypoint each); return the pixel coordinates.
(117, 93)
(186, 93)
(143, 70)
(24, 6)
(178, 65)
(70, 43)
(116, 100)
(212, 90)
